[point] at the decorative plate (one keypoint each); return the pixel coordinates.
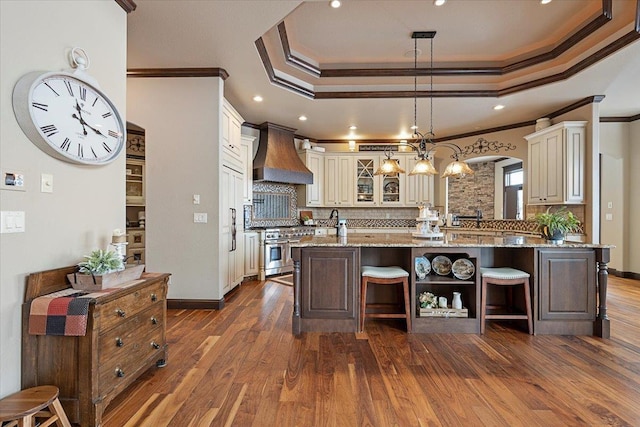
(441, 265)
(423, 267)
(463, 268)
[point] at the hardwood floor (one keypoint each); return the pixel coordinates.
(242, 367)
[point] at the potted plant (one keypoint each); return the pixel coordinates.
(102, 269)
(555, 225)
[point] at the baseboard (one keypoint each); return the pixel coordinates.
(624, 274)
(195, 304)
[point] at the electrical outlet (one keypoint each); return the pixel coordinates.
(200, 218)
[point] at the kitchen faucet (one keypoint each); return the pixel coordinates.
(335, 211)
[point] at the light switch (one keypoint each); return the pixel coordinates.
(196, 199)
(608, 217)
(46, 183)
(12, 222)
(610, 205)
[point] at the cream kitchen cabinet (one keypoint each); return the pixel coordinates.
(338, 181)
(231, 240)
(135, 182)
(246, 149)
(556, 164)
(377, 190)
(231, 123)
(418, 188)
(312, 194)
(251, 253)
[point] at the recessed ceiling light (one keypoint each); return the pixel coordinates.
(257, 98)
(302, 118)
(439, 2)
(498, 107)
(335, 4)
(353, 127)
(545, 1)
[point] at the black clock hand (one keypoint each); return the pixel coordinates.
(82, 122)
(94, 129)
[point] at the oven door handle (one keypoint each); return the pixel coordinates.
(275, 242)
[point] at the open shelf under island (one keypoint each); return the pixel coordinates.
(568, 281)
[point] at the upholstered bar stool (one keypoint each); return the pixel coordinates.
(384, 276)
(22, 408)
(505, 276)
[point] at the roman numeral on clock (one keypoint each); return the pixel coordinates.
(83, 93)
(43, 107)
(106, 147)
(66, 144)
(114, 134)
(52, 89)
(67, 83)
(80, 150)
(94, 153)
(105, 115)
(49, 130)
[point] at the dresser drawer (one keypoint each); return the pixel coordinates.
(118, 342)
(123, 366)
(119, 311)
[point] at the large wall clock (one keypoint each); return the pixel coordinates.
(68, 117)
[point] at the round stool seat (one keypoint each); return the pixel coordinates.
(503, 273)
(23, 407)
(383, 272)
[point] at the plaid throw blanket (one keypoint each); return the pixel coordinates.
(60, 313)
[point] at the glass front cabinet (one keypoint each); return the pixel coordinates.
(377, 190)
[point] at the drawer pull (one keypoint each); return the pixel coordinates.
(119, 373)
(155, 345)
(154, 297)
(120, 312)
(119, 342)
(154, 321)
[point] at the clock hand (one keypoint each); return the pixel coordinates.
(82, 122)
(94, 129)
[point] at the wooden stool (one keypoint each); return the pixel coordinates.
(384, 276)
(504, 276)
(23, 407)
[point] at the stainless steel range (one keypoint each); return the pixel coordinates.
(277, 251)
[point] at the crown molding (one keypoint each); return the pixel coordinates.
(178, 72)
(127, 5)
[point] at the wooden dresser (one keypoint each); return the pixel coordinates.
(126, 335)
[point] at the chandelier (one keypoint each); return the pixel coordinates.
(423, 143)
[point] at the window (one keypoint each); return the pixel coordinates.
(513, 194)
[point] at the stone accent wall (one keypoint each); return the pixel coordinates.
(470, 193)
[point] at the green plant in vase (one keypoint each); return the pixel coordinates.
(554, 226)
(101, 262)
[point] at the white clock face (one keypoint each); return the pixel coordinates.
(75, 120)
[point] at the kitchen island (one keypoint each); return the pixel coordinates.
(568, 281)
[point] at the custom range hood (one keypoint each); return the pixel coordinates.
(277, 159)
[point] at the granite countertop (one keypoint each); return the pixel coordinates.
(451, 239)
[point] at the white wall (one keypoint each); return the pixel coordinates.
(181, 120)
(87, 202)
(614, 146)
(632, 258)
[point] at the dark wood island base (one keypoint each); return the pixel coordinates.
(568, 281)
